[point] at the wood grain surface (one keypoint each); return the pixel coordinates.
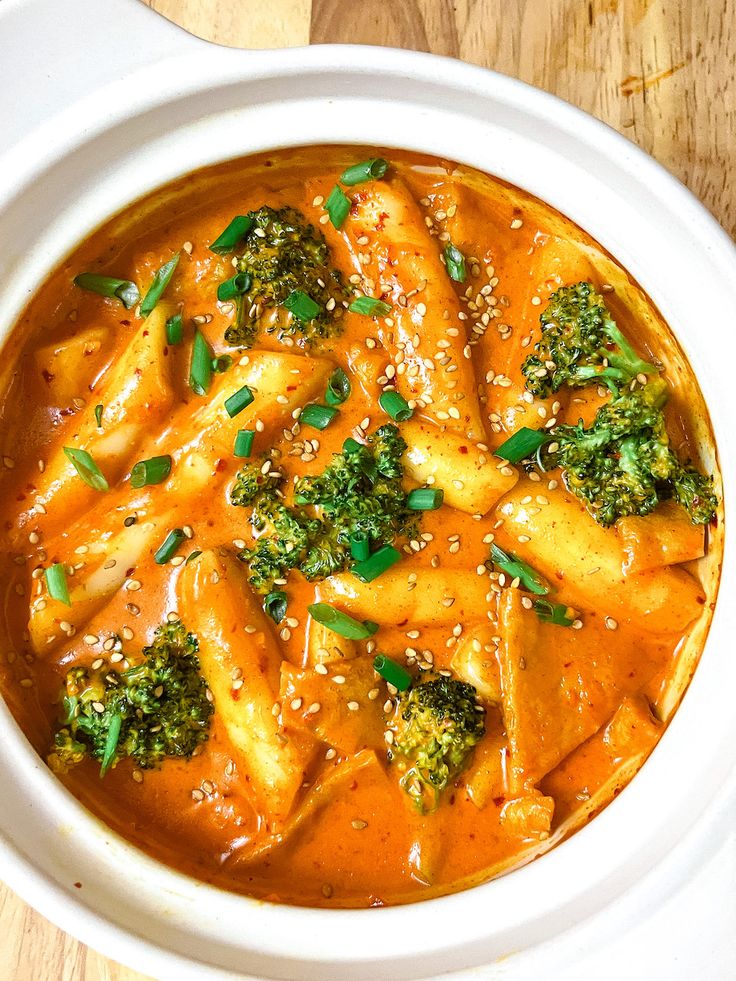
(662, 72)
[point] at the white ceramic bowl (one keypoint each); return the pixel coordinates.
(101, 102)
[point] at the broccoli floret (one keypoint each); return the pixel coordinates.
(580, 344)
(360, 491)
(436, 725)
(283, 253)
(153, 711)
(623, 464)
(251, 483)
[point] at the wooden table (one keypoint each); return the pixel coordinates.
(660, 71)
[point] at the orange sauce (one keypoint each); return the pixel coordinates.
(365, 843)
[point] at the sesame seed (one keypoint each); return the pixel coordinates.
(611, 624)
(353, 706)
(358, 825)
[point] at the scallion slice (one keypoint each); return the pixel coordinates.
(87, 468)
(396, 406)
(175, 329)
(556, 613)
(222, 363)
(340, 623)
(170, 546)
(99, 409)
(160, 282)
(337, 206)
(425, 499)
(152, 471)
(524, 443)
(123, 289)
(370, 306)
(233, 287)
(455, 263)
(368, 170)
(193, 555)
(376, 564)
(338, 388)
(235, 232)
(111, 743)
(244, 442)
(318, 416)
(238, 401)
(360, 547)
(200, 370)
(528, 578)
(56, 583)
(275, 604)
(392, 672)
(352, 445)
(302, 306)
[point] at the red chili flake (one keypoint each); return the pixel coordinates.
(463, 450)
(291, 388)
(129, 572)
(235, 694)
(47, 376)
(498, 801)
(380, 224)
(125, 323)
(139, 371)
(145, 333)
(220, 465)
(77, 885)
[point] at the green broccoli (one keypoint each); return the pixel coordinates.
(360, 491)
(580, 344)
(437, 722)
(152, 711)
(623, 464)
(284, 254)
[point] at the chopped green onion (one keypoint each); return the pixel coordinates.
(125, 291)
(200, 370)
(360, 547)
(376, 564)
(193, 555)
(340, 623)
(152, 471)
(392, 672)
(522, 444)
(370, 306)
(99, 409)
(221, 363)
(235, 232)
(87, 468)
(338, 388)
(275, 604)
(302, 306)
(175, 329)
(233, 287)
(337, 206)
(56, 583)
(318, 416)
(111, 743)
(455, 262)
(244, 442)
(238, 401)
(160, 282)
(352, 445)
(396, 406)
(368, 170)
(556, 613)
(170, 546)
(425, 499)
(517, 569)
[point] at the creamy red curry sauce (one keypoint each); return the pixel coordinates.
(284, 606)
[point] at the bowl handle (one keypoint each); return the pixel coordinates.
(54, 52)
